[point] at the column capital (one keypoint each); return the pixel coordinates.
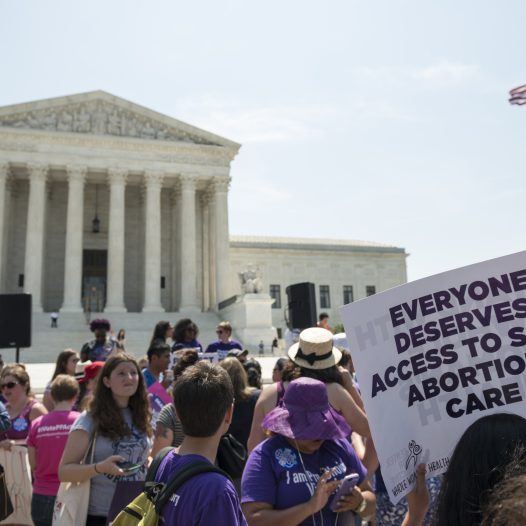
(77, 172)
(38, 170)
(205, 198)
(153, 178)
(187, 182)
(220, 184)
(117, 175)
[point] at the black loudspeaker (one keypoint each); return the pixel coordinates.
(302, 305)
(15, 320)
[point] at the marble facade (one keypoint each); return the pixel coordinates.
(159, 190)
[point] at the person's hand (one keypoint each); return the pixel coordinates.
(323, 490)
(351, 501)
(417, 499)
(109, 466)
(346, 377)
(6, 444)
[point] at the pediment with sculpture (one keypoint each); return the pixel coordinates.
(100, 117)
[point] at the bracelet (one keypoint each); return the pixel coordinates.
(95, 468)
(362, 506)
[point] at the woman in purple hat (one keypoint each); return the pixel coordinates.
(314, 356)
(290, 478)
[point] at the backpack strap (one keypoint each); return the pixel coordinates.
(156, 462)
(180, 477)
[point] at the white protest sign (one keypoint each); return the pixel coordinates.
(435, 355)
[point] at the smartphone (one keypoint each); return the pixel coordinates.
(128, 467)
(344, 488)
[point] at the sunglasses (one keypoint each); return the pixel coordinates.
(9, 385)
(219, 332)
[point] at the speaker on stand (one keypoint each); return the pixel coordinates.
(15, 322)
(301, 306)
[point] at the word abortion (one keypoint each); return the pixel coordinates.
(479, 363)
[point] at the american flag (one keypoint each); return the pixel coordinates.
(518, 95)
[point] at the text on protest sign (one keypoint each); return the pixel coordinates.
(435, 355)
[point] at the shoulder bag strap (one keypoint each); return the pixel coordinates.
(156, 462)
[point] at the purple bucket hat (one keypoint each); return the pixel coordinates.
(306, 413)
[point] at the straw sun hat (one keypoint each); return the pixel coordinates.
(315, 349)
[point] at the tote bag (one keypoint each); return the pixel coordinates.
(71, 505)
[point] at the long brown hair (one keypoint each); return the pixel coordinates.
(239, 378)
(105, 412)
(62, 362)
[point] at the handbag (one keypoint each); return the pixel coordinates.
(231, 456)
(71, 504)
(6, 506)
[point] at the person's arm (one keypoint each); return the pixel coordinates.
(263, 514)
(266, 401)
(350, 388)
(417, 499)
(84, 353)
(32, 456)
(5, 421)
(36, 411)
(342, 401)
(70, 468)
(47, 401)
(163, 438)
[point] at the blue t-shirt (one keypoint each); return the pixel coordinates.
(149, 378)
(208, 498)
(222, 348)
(274, 474)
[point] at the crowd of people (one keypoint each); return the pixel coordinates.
(281, 450)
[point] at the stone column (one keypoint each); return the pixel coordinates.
(36, 208)
(222, 239)
(188, 244)
(152, 243)
(212, 250)
(74, 238)
(115, 288)
(205, 199)
(4, 172)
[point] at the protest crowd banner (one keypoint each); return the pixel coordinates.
(433, 356)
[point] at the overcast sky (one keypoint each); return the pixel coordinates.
(383, 121)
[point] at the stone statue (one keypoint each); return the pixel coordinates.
(82, 121)
(65, 122)
(251, 281)
(98, 119)
(114, 124)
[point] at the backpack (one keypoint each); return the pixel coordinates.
(146, 509)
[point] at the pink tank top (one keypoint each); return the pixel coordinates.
(19, 424)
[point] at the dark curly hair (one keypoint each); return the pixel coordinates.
(292, 371)
(187, 358)
(180, 328)
(99, 323)
(105, 412)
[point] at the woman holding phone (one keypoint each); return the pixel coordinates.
(289, 478)
(114, 435)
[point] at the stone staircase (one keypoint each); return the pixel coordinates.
(73, 331)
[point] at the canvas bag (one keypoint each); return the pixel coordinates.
(146, 509)
(71, 505)
(6, 506)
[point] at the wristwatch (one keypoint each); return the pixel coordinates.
(362, 506)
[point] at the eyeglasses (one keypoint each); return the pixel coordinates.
(219, 332)
(9, 385)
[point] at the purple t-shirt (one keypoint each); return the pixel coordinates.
(205, 498)
(222, 348)
(274, 474)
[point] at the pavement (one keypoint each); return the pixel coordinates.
(40, 373)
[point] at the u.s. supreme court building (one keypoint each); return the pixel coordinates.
(108, 206)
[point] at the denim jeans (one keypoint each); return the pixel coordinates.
(42, 509)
